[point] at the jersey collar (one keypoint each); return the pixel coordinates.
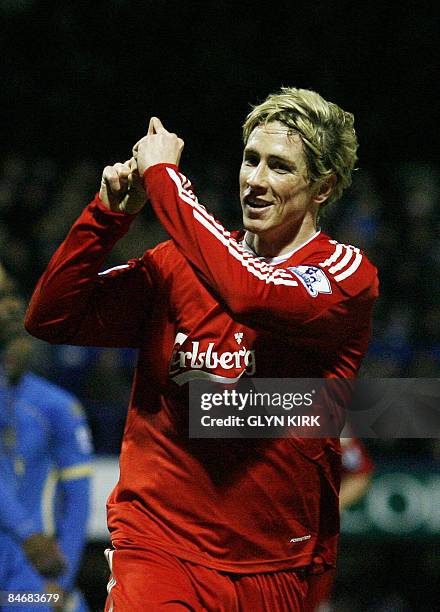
(279, 258)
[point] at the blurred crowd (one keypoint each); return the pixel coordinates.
(395, 218)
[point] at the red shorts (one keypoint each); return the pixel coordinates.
(154, 581)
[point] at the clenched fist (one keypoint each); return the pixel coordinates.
(121, 188)
(158, 147)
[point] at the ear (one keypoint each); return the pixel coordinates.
(324, 190)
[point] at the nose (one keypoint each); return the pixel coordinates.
(257, 178)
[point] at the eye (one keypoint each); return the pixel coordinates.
(250, 159)
(280, 168)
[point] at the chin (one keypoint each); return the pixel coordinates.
(252, 225)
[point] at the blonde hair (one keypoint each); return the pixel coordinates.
(327, 132)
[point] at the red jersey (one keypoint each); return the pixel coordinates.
(203, 305)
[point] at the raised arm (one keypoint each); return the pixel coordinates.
(74, 303)
(248, 286)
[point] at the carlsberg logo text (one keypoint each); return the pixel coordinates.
(211, 359)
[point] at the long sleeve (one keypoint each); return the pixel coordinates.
(71, 535)
(73, 303)
(71, 450)
(15, 519)
(250, 287)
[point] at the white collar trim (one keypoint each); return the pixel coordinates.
(279, 258)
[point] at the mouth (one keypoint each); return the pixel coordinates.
(255, 203)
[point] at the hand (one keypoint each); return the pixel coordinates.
(158, 147)
(45, 555)
(54, 587)
(121, 188)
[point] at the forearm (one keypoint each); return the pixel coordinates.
(243, 282)
(63, 301)
(248, 286)
(40, 550)
(14, 518)
(72, 532)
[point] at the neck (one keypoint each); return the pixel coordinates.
(267, 245)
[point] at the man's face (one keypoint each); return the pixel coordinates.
(275, 192)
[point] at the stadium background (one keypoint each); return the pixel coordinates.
(79, 82)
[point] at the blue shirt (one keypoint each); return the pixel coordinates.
(45, 466)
